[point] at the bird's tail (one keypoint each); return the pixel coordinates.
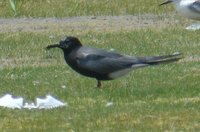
(154, 60)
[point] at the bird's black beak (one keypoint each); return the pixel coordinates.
(53, 46)
(166, 2)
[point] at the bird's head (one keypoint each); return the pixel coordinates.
(68, 43)
(168, 1)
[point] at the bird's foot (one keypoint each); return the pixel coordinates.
(98, 84)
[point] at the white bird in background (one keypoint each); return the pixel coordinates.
(187, 8)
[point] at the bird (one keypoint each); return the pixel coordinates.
(188, 8)
(104, 65)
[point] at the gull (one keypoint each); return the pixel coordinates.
(187, 8)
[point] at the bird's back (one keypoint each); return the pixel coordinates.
(97, 63)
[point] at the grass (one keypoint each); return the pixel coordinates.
(67, 8)
(160, 98)
(157, 98)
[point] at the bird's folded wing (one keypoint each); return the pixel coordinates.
(104, 64)
(195, 6)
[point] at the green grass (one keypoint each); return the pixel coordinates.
(159, 98)
(66, 8)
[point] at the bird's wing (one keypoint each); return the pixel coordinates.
(195, 6)
(105, 64)
(98, 52)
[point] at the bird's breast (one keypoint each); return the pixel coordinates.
(185, 8)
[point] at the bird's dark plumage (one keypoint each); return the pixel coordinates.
(104, 65)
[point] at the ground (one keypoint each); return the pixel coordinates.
(95, 23)
(161, 98)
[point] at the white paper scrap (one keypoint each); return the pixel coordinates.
(41, 103)
(48, 103)
(10, 102)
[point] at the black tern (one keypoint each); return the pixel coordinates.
(104, 65)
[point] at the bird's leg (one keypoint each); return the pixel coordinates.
(98, 84)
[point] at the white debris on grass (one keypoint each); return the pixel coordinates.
(48, 103)
(51, 36)
(194, 27)
(29, 106)
(41, 103)
(109, 104)
(111, 49)
(63, 86)
(10, 102)
(35, 83)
